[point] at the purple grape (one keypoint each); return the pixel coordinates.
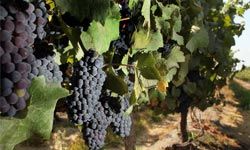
(19, 42)
(21, 104)
(6, 83)
(30, 58)
(30, 9)
(3, 13)
(5, 35)
(8, 46)
(20, 27)
(12, 9)
(32, 17)
(6, 58)
(39, 12)
(8, 67)
(4, 108)
(7, 92)
(12, 99)
(23, 35)
(16, 58)
(9, 25)
(41, 21)
(20, 17)
(40, 32)
(15, 76)
(22, 67)
(24, 53)
(12, 111)
(22, 84)
(32, 27)
(1, 51)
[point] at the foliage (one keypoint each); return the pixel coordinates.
(39, 118)
(201, 34)
(241, 93)
(244, 74)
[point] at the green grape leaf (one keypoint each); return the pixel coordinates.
(171, 73)
(132, 3)
(98, 37)
(198, 39)
(146, 65)
(39, 118)
(120, 87)
(94, 10)
(129, 110)
(145, 11)
(179, 39)
(176, 56)
(190, 88)
(125, 61)
(183, 71)
(146, 43)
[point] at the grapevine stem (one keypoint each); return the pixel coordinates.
(124, 19)
(125, 65)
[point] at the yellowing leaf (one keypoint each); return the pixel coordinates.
(162, 86)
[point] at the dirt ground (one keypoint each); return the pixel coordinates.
(224, 126)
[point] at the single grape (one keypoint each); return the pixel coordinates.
(6, 83)
(22, 67)
(15, 76)
(7, 92)
(12, 111)
(8, 46)
(12, 99)
(22, 84)
(24, 52)
(20, 17)
(16, 58)
(9, 25)
(9, 67)
(20, 42)
(3, 13)
(39, 12)
(21, 104)
(5, 35)
(30, 9)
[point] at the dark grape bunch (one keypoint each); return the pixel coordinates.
(16, 38)
(95, 130)
(87, 82)
(40, 17)
(48, 68)
(121, 123)
(115, 108)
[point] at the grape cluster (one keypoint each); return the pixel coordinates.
(95, 129)
(16, 37)
(87, 82)
(121, 122)
(21, 24)
(165, 50)
(40, 17)
(48, 68)
(127, 28)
